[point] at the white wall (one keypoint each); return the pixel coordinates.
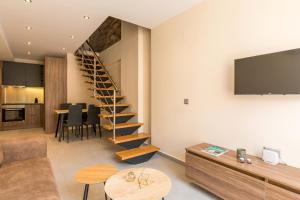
(129, 66)
(128, 62)
(135, 71)
(77, 89)
(111, 58)
(121, 61)
(144, 78)
(193, 57)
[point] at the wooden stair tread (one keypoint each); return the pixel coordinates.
(132, 153)
(121, 125)
(111, 105)
(87, 54)
(79, 58)
(105, 82)
(79, 55)
(92, 64)
(108, 97)
(86, 69)
(101, 88)
(90, 75)
(128, 138)
(117, 115)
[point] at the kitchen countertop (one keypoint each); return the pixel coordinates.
(22, 104)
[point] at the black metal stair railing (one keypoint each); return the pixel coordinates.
(96, 70)
(85, 51)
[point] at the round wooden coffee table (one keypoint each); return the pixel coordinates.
(148, 184)
(94, 175)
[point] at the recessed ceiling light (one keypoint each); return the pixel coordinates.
(28, 28)
(72, 37)
(86, 17)
(28, 43)
(63, 48)
(28, 1)
(28, 53)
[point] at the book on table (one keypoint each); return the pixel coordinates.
(215, 150)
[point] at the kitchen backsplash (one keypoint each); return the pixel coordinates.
(22, 94)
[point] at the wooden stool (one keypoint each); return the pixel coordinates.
(94, 175)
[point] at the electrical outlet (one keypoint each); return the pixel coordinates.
(186, 101)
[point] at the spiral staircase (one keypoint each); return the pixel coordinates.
(114, 109)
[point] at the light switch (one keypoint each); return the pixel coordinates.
(186, 101)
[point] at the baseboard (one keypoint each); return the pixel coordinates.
(165, 155)
(168, 156)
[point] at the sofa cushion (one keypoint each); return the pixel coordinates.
(28, 180)
(23, 148)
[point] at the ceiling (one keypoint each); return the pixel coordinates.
(54, 21)
(108, 33)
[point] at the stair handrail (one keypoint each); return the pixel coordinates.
(102, 65)
(113, 111)
(84, 52)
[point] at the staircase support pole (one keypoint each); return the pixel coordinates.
(114, 116)
(95, 78)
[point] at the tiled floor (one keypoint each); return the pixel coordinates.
(68, 158)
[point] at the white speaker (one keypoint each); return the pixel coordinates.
(271, 156)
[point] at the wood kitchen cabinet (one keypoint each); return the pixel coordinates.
(33, 114)
(55, 89)
(13, 74)
(34, 76)
(1, 98)
(34, 118)
(22, 74)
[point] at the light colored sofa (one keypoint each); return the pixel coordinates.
(25, 170)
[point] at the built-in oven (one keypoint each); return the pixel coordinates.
(11, 113)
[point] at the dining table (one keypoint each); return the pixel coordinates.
(61, 114)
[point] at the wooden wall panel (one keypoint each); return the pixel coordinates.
(55, 89)
(225, 182)
(1, 95)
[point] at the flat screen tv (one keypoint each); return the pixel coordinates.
(275, 73)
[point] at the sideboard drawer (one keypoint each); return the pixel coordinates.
(275, 193)
(225, 182)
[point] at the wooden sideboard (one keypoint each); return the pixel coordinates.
(229, 179)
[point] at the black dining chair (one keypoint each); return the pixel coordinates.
(93, 120)
(83, 105)
(74, 120)
(84, 115)
(63, 106)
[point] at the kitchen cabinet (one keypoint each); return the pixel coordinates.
(34, 76)
(34, 118)
(13, 125)
(22, 74)
(55, 89)
(33, 115)
(13, 74)
(1, 67)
